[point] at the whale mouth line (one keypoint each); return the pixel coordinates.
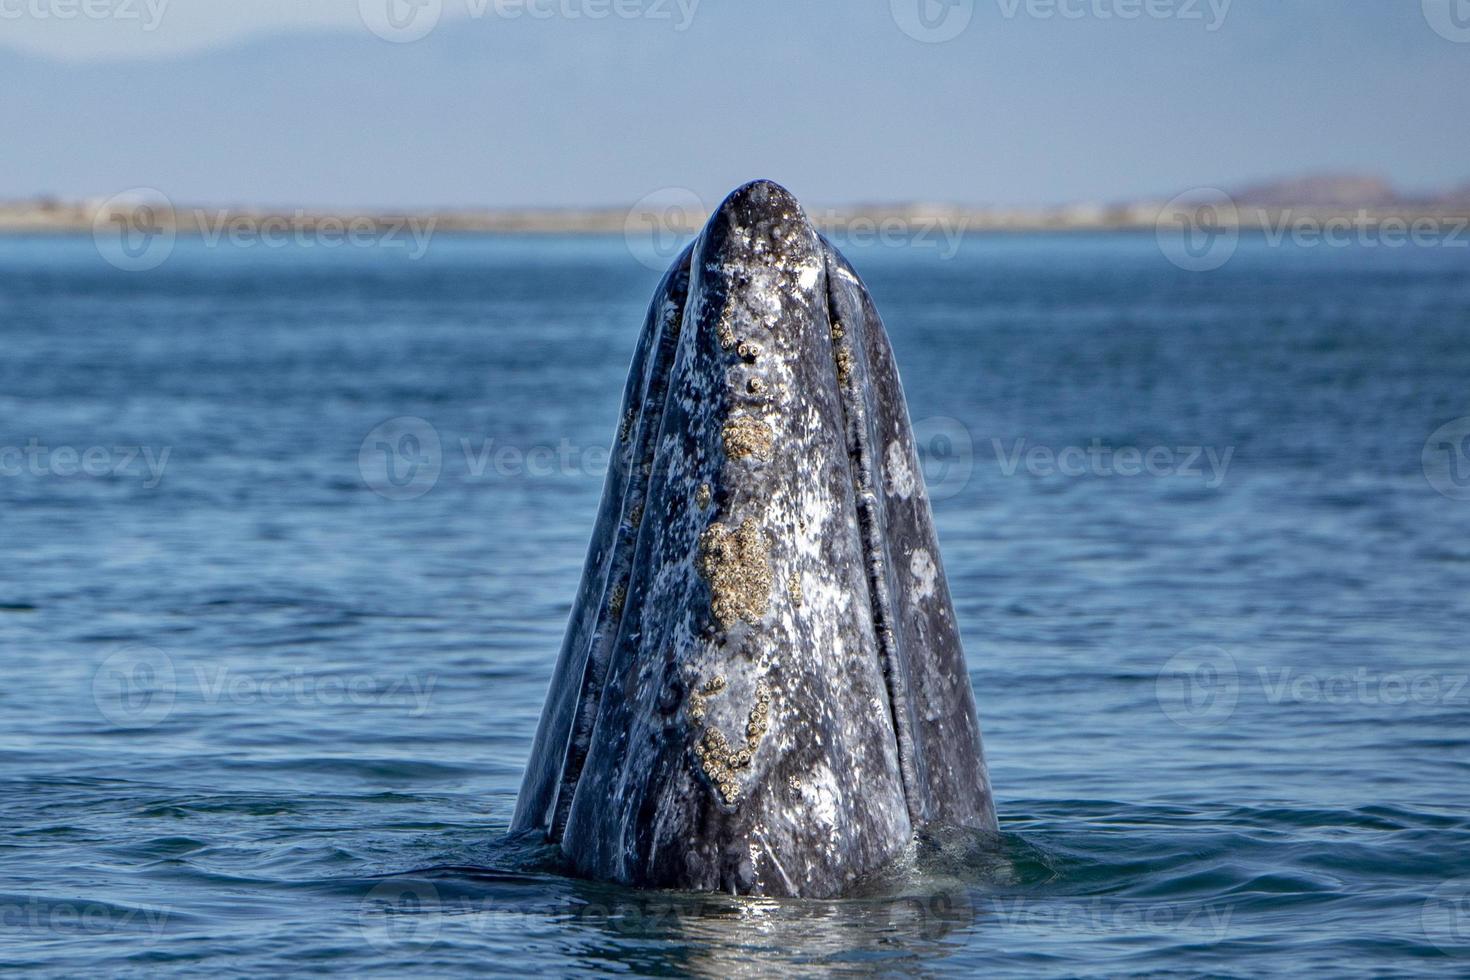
(862, 465)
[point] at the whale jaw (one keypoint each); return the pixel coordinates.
(762, 688)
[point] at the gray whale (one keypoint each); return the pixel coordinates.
(762, 688)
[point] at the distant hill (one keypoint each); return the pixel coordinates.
(1343, 191)
(1321, 191)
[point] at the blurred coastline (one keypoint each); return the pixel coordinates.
(1329, 198)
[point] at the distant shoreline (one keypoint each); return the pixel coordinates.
(872, 221)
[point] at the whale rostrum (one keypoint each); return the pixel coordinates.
(761, 689)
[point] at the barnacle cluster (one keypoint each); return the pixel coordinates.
(736, 563)
(747, 436)
(725, 330)
(840, 351)
(699, 700)
(718, 759)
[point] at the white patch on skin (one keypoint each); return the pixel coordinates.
(807, 278)
(900, 475)
(821, 793)
(921, 564)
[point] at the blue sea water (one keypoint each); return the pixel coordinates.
(290, 536)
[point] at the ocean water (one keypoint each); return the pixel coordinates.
(290, 536)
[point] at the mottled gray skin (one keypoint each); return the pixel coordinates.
(820, 653)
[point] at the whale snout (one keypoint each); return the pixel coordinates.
(760, 224)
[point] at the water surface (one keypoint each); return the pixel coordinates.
(266, 709)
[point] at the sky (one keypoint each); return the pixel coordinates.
(466, 103)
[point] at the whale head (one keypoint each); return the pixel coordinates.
(762, 688)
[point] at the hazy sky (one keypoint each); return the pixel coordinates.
(504, 102)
